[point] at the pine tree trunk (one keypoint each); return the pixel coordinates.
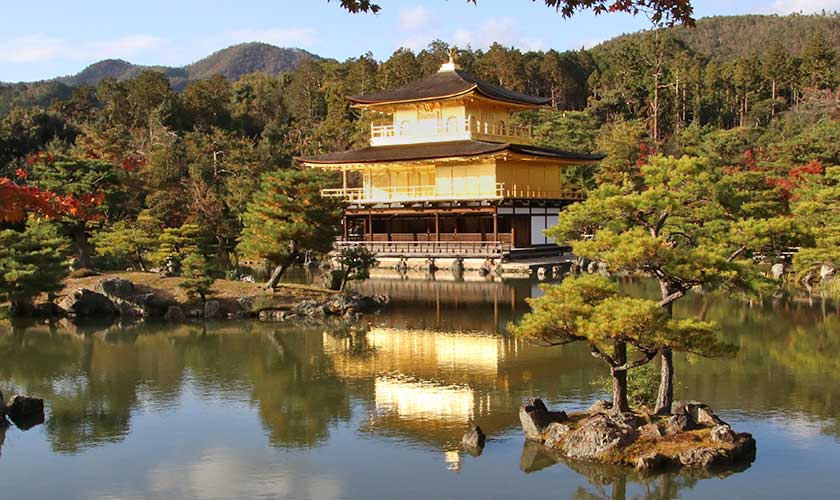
(665, 395)
(277, 274)
(666, 383)
(82, 246)
(619, 379)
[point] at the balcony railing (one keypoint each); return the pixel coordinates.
(434, 193)
(447, 130)
(431, 248)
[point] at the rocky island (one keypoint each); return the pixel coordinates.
(692, 437)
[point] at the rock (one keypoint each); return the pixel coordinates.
(117, 287)
(650, 431)
(699, 414)
(600, 406)
(47, 310)
(777, 271)
(703, 457)
(83, 303)
(457, 268)
(212, 309)
(554, 434)
(486, 268)
(677, 424)
(827, 271)
(474, 438)
(195, 313)
(535, 417)
(652, 462)
(595, 436)
(723, 434)
(25, 412)
(246, 303)
(175, 314)
(339, 304)
(541, 273)
(703, 416)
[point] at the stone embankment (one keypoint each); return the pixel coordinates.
(692, 437)
(118, 297)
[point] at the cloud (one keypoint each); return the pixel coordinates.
(41, 47)
(804, 6)
(415, 18)
(502, 30)
(283, 37)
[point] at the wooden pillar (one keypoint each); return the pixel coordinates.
(496, 224)
(437, 225)
(345, 227)
(344, 179)
(370, 226)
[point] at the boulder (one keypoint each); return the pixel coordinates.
(703, 457)
(339, 304)
(827, 271)
(175, 314)
(272, 315)
(595, 436)
(723, 434)
(212, 309)
(600, 406)
(246, 303)
(554, 434)
(535, 457)
(698, 414)
(117, 287)
(195, 313)
(650, 431)
(677, 424)
(535, 417)
(84, 303)
(777, 271)
(25, 412)
(474, 439)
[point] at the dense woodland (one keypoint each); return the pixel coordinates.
(123, 165)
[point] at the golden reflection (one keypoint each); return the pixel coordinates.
(453, 460)
(423, 400)
(424, 353)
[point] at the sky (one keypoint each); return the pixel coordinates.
(51, 38)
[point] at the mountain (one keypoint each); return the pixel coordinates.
(726, 37)
(232, 63)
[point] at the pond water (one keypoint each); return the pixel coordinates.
(251, 410)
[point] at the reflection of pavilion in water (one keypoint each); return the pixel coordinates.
(484, 304)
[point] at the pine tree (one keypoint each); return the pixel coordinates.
(129, 241)
(32, 261)
(197, 277)
(590, 309)
(288, 217)
(674, 224)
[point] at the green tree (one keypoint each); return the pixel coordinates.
(197, 277)
(355, 263)
(675, 226)
(178, 243)
(625, 143)
(287, 218)
(32, 261)
(94, 186)
(590, 309)
(129, 240)
(817, 207)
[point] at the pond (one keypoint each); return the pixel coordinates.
(251, 410)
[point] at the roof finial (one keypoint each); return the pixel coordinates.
(450, 66)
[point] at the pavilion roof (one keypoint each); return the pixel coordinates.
(433, 150)
(447, 84)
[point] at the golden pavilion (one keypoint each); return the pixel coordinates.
(450, 173)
